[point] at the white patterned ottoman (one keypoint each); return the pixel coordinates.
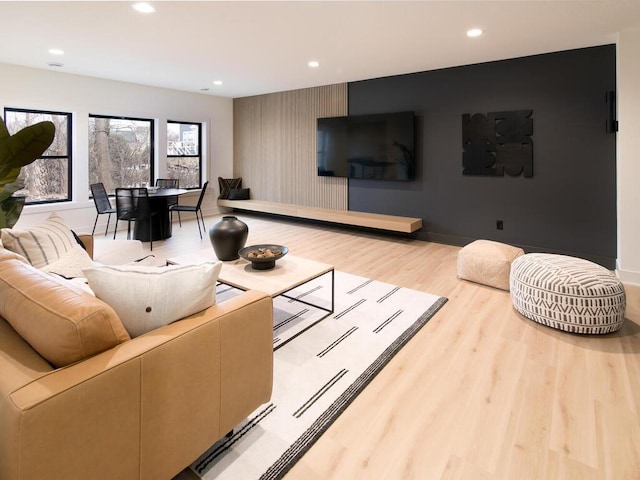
(567, 293)
(487, 262)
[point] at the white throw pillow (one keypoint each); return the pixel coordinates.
(146, 298)
(70, 264)
(42, 244)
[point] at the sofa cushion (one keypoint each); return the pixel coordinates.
(71, 263)
(147, 297)
(109, 251)
(19, 363)
(62, 323)
(8, 255)
(41, 244)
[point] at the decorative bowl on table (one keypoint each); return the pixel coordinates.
(263, 257)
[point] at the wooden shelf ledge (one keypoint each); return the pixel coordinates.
(345, 217)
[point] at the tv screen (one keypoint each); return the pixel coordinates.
(378, 146)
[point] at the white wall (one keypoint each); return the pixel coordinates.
(628, 61)
(22, 87)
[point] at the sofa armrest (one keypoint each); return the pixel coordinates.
(87, 241)
(147, 407)
(112, 251)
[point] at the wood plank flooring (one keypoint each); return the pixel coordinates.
(480, 392)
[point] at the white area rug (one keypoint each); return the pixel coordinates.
(319, 368)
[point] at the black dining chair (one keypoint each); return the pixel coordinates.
(169, 183)
(191, 208)
(132, 204)
(103, 204)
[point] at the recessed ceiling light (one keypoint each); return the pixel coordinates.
(143, 7)
(56, 51)
(474, 32)
(217, 82)
(314, 64)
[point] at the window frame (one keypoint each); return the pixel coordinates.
(152, 142)
(198, 156)
(68, 157)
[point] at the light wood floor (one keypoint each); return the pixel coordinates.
(480, 392)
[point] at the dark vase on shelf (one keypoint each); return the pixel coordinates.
(227, 237)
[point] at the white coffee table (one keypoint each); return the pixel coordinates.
(290, 272)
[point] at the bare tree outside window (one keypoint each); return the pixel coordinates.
(49, 177)
(120, 151)
(184, 158)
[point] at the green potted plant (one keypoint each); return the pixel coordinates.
(16, 151)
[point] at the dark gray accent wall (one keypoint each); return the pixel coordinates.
(568, 206)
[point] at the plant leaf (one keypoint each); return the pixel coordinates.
(23, 148)
(4, 133)
(10, 210)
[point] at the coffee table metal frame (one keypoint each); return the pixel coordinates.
(235, 271)
(297, 299)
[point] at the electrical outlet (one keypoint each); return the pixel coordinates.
(499, 225)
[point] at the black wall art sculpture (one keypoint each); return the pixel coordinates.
(498, 143)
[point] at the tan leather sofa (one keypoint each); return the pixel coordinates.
(145, 408)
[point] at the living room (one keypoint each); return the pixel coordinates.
(611, 238)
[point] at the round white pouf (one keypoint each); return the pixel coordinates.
(567, 293)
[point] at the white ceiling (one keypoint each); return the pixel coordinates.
(258, 47)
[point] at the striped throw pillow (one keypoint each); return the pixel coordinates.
(42, 244)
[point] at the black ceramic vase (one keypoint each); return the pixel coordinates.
(227, 237)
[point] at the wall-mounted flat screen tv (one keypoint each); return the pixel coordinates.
(377, 146)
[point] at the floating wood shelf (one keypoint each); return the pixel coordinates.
(345, 217)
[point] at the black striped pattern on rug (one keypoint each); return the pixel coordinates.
(235, 437)
(304, 442)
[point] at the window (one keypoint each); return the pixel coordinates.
(48, 179)
(120, 151)
(184, 157)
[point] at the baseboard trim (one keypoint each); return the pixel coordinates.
(460, 241)
(627, 276)
(607, 262)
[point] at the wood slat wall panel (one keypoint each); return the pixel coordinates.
(275, 146)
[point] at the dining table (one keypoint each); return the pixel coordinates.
(161, 221)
